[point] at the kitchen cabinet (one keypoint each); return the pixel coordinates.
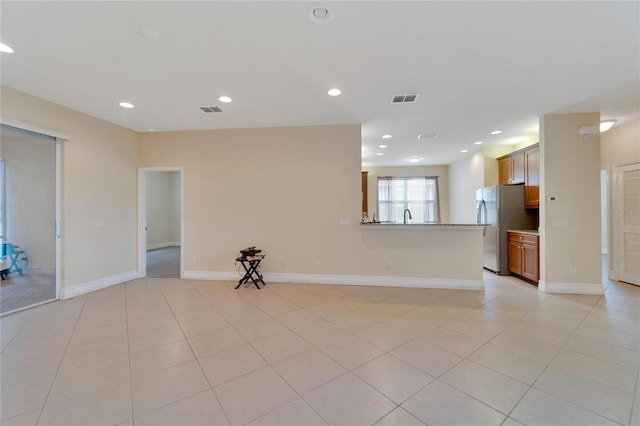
(522, 166)
(511, 169)
(532, 177)
(504, 170)
(524, 258)
(517, 167)
(365, 190)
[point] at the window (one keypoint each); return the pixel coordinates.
(418, 194)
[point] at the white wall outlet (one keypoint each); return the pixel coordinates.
(389, 264)
(194, 260)
(345, 221)
(572, 270)
(283, 263)
(100, 224)
(318, 263)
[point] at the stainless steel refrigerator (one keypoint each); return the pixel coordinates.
(501, 208)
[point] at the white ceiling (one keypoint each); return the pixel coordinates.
(478, 66)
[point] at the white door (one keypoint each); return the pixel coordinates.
(626, 217)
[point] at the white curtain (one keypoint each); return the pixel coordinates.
(419, 194)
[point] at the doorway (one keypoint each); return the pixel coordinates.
(160, 222)
(29, 206)
(626, 221)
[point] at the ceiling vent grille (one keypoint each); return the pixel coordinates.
(404, 99)
(211, 109)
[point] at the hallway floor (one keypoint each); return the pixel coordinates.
(163, 263)
(159, 351)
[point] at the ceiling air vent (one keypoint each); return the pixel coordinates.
(211, 109)
(404, 99)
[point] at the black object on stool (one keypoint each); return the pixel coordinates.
(250, 260)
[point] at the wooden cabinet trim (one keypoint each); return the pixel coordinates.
(365, 190)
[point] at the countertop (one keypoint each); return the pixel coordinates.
(525, 231)
(379, 225)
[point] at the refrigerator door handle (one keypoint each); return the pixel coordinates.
(483, 215)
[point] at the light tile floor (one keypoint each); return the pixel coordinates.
(162, 351)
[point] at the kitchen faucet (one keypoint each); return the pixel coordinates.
(405, 215)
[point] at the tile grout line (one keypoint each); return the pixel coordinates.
(195, 356)
(532, 386)
(275, 370)
(520, 320)
(55, 376)
(126, 319)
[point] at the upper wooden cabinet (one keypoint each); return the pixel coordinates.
(504, 170)
(532, 178)
(517, 168)
(511, 169)
(365, 187)
(522, 166)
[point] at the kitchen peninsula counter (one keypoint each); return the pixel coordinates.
(524, 231)
(414, 226)
(438, 255)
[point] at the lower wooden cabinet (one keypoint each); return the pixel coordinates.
(524, 257)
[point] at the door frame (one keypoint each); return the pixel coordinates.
(616, 223)
(142, 216)
(60, 138)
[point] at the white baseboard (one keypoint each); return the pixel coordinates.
(571, 288)
(163, 245)
(79, 289)
(210, 276)
(447, 283)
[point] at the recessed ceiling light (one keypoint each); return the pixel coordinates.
(414, 159)
(606, 125)
(320, 15)
(382, 146)
(380, 153)
(478, 143)
(126, 105)
(149, 33)
(334, 92)
(428, 135)
(5, 49)
(496, 132)
(464, 150)
(386, 136)
(225, 99)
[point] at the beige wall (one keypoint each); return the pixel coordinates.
(620, 144)
(162, 208)
(285, 190)
(442, 172)
(570, 226)
(30, 195)
(465, 176)
(98, 185)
